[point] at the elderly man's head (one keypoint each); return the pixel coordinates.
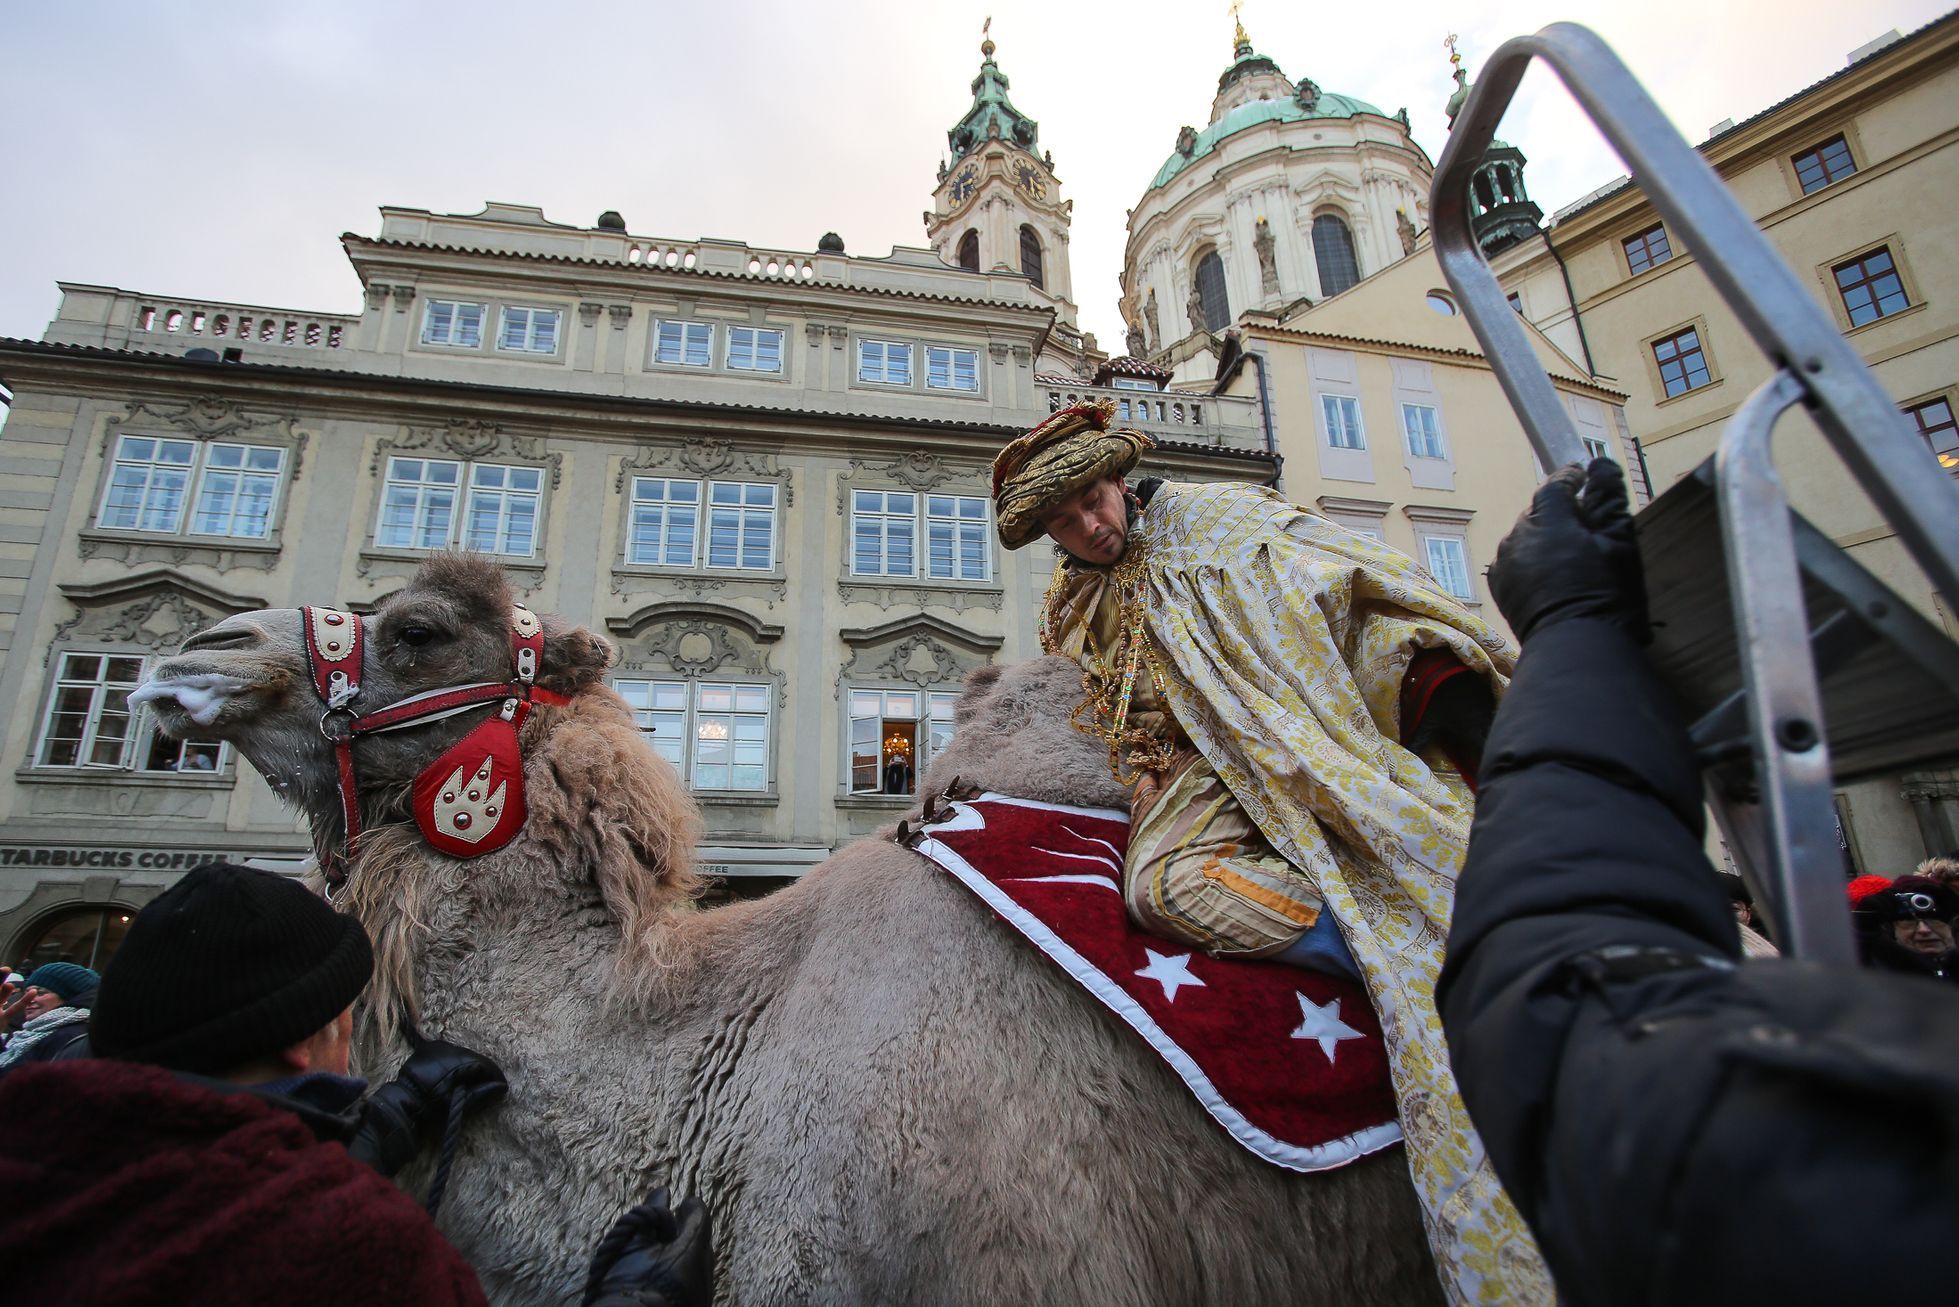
(1064, 479)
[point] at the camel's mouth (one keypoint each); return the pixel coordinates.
(197, 697)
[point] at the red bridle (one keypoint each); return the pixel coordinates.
(464, 808)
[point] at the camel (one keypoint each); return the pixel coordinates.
(882, 1093)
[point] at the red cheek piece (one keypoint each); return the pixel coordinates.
(470, 801)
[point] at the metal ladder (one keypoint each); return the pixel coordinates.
(1773, 735)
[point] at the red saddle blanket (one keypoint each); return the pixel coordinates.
(1289, 1062)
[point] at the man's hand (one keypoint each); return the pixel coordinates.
(654, 1258)
(400, 1116)
(1573, 554)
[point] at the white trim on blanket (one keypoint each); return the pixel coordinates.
(1295, 1157)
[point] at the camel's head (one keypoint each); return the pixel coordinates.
(246, 680)
(1015, 736)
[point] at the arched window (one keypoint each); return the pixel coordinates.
(1210, 292)
(1030, 256)
(1480, 184)
(969, 251)
(1333, 250)
(85, 936)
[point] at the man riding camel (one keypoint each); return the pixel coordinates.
(1300, 709)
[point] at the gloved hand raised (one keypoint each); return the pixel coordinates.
(654, 1258)
(400, 1116)
(1573, 554)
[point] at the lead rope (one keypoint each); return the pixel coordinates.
(451, 1136)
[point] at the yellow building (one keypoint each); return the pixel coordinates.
(1854, 179)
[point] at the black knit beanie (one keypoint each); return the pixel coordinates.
(227, 966)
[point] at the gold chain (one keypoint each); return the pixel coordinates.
(1110, 682)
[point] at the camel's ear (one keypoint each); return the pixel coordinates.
(978, 684)
(573, 659)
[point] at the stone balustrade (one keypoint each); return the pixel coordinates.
(123, 319)
(1226, 422)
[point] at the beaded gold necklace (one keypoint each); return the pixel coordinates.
(1109, 677)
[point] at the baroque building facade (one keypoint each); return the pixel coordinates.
(763, 475)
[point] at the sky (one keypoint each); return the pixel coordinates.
(217, 150)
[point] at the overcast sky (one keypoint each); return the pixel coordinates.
(217, 150)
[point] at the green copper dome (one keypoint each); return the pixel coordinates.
(992, 114)
(1326, 104)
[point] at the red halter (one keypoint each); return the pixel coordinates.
(468, 802)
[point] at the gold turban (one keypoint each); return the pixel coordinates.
(1072, 449)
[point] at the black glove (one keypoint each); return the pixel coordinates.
(652, 1257)
(1573, 554)
(400, 1116)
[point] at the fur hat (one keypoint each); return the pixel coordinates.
(1071, 449)
(64, 979)
(1910, 898)
(228, 966)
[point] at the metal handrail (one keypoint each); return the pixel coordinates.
(1861, 422)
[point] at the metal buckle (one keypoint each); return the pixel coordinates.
(347, 716)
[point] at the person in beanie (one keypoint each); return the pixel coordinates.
(220, 1095)
(1298, 709)
(1907, 926)
(59, 996)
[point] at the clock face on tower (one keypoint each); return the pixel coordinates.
(965, 183)
(1029, 179)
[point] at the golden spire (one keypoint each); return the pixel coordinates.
(1238, 38)
(986, 41)
(1449, 43)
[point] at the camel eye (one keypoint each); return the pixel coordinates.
(416, 636)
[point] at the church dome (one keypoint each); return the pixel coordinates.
(1327, 104)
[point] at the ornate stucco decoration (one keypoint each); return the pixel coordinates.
(921, 650)
(211, 417)
(157, 610)
(696, 639)
(715, 459)
(470, 438)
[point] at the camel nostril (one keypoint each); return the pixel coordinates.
(220, 637)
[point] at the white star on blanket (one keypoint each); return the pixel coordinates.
(1323, 1024)
(1173, 973)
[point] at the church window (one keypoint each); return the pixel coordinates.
(884, 363)
(951, 369)
(716, 734)
(532, 331)
(89, 723)
(1333, 251)
(499, 506)
(453, 322)
(1820, 165)
(1030, 257)
(149, 487)
(683, 344)
(754, 349)
(1448, 563)
(1424, 431)
(957, 529)
(1342, 417)
(969, 251)
(1212, 301)
(1649, 249)
(890, 744)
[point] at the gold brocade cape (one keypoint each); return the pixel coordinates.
(1285, 639)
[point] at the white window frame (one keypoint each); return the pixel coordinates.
(198, 474)
(642, 504)
(532, 318)
(752, 347)
(686, 334)
(697, 718)
(886, 518)
(454, 326)
(1596, 446)
(661, 508)
(1131, 383)
(1442, 577)
(948, 358)
(954, 518)
(884, 368)
(1330, 405)
(140, 737)
(747, 510)
(937, 706)
(465, 491)
(1431, 443)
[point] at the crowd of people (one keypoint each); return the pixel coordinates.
(1624, 1070)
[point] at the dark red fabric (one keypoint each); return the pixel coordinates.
(128, 1186)
(1427, 672)
(1240, 1022)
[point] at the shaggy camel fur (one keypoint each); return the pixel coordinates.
(884, 1095)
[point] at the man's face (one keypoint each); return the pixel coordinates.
(1093, 523)
(41, 1000)
(1923, 935)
